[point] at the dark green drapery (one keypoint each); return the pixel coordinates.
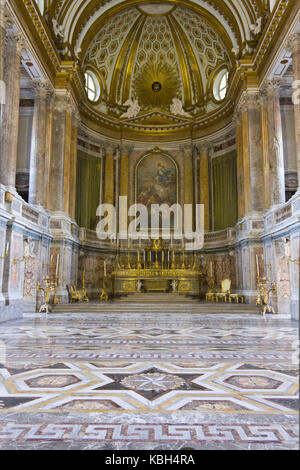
(88, 190)
(224, 191)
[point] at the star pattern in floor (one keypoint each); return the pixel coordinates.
(123, 381)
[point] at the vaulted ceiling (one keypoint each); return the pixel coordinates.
(133, 45)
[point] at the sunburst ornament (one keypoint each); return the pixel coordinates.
(156, 85)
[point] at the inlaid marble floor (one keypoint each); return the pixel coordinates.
(132, 380)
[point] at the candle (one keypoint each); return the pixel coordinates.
(57, 265)
(257, 267)
(211, 270)
(51, 259)
(104, 268)
(7, 247)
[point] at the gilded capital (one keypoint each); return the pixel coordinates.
(292, 43)
(126, 149)
(15, 41)
(250, 99)
(110, 148)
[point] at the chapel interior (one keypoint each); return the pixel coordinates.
(123, 103)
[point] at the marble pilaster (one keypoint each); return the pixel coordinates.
(204, 184)
(38, 146)
(48, 145)
(73, 165)
(109, 174)
(240, 166)
(9, 143)
(124, 187)
(188, 179)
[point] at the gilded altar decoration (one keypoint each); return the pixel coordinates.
(156, 268)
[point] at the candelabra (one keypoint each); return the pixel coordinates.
(263, 295)
(55, 285)
(211, 284)
(16, 260)
(5, 255)
(104, 294)
(45, 306)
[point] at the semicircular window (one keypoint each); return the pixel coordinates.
(221, 85)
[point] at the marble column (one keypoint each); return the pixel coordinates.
(73, 165)
(265, 151)
(109, 175)
(204, 184)
(37, 182)
(275, 144)
(295, 47)
(248, 135)
(9, 143)
(60, 148)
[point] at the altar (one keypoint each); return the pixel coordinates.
(157, 269)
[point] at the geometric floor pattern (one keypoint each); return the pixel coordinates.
(153, 381)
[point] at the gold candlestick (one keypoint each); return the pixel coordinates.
(55, 286)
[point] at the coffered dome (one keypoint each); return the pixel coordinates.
(153, 53)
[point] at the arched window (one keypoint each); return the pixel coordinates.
(221, 85)
(41, 5)
(92, 86)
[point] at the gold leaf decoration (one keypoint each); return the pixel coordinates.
(156, 85)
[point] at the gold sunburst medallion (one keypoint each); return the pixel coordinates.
(155, 85)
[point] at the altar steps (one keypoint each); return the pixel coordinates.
(178, 308)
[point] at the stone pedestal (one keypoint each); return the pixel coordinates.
(64, 253)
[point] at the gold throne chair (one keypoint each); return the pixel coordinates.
(225, 290)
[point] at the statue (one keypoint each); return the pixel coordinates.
(58, 29)
(177, 108)
(77, 51)
(29, 248)
(174, 285)
(236, 51)
(133, 109)
(256, 28)
(139, 286)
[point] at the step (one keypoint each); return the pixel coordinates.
(177, 308)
